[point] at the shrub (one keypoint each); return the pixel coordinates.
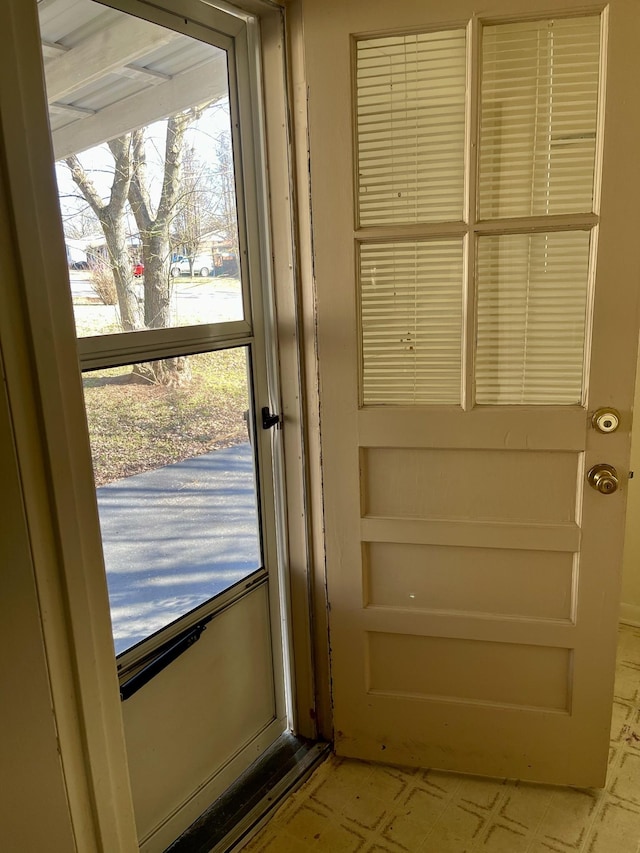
(102, 282)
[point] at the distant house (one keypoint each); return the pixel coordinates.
(82, 251)
(76, 253)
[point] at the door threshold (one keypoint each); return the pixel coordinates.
(247, 805)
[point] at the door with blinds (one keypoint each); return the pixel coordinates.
(476, 258)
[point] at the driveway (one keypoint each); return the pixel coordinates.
(175, 537)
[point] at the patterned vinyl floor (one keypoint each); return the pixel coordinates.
(353, 807)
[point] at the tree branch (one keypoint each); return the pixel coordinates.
(138, 194)
(85, 185)
(176, 128)
(122, 155)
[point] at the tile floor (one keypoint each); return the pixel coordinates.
(349, 806)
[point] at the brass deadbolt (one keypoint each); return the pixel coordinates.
(603, 478)
(606, 420)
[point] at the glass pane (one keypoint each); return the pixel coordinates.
(410, 92)
(175, 479)
(411, 321)
(142, 139)
(538, 117)
(532, 304)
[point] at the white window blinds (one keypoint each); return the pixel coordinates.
(538, 117)
(532, 301)
(410, 102)
(535, 91)
(411, 318)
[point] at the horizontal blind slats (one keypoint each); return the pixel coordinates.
(410, 124)
(411, 322)
(538, 117)
(532, 304)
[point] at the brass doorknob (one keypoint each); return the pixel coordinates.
(603, 478)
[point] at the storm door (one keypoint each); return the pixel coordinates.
(155, 151)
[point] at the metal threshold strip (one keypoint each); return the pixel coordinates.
(249, 803)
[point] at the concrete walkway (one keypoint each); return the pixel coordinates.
(175, 537)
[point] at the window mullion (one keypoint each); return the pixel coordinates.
(151, 344)
(471, 184)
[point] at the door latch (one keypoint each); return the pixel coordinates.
(269, 420)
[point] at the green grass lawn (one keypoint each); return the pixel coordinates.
(137, 426)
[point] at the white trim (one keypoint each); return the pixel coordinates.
(317, 684)
(282, 612)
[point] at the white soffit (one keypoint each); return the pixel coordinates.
(108, 73)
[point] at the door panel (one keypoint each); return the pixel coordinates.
(206, 707)
(533, 584)
(446, 668)
(464, 343)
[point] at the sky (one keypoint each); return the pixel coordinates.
(98, 162)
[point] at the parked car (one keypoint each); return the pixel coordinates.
(202, 265)
(226, 263)
(138, 269)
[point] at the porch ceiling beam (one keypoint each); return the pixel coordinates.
(123, 41)
(206, 82)
(147, 75)
(52, 49)
(69, 108)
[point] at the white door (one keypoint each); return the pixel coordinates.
(476, 256)
(176, 376)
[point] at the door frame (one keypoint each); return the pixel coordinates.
(45, 393)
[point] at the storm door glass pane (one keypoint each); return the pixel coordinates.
(174, 470)
(410, 101)
(532, 308)
(149, 209)
(411, 322)
(538, 113)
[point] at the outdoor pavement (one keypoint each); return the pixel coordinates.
(175, 537)
(209, 300)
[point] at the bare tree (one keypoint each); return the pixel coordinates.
(182, 197)
(111, 216)
(154, 228)
(189, 216)
(80, 223)
(224, 215)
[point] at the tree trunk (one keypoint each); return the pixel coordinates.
(157, 282)
(156, 246)
(115, 238)
(172, 372)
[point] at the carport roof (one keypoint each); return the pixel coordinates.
(107, 73)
